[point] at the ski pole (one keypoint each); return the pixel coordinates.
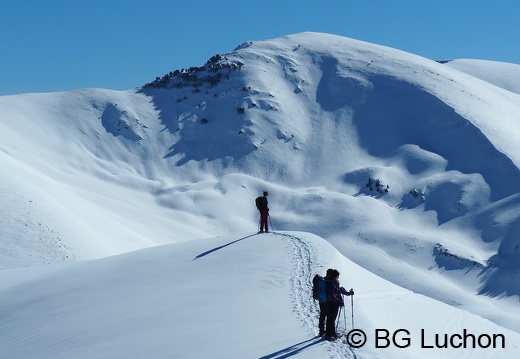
(345, 317)
(270, 222)
(352, 305)
(339, 316)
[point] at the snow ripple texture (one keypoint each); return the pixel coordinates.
(305, 307)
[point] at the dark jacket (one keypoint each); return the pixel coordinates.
(334, 291)
(262, 204)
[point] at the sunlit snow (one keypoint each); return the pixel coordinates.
(128, 227)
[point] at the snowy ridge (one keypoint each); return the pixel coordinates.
(408, 167)
(304, 268)
(504, 75)
(249, 291)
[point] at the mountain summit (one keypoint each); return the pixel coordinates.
(402, 163)
(349, 118)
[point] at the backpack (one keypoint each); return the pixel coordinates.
(318, 288)
(259, 201)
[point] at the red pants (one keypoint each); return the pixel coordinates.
(263, 220)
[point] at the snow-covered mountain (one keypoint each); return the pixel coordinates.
(402, 172)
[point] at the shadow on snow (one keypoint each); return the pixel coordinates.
(222, 246)
(293, 349)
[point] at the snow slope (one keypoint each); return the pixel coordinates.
(326, 124)
(501, 74)
(242, 296)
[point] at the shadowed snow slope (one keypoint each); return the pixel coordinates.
(408, 167)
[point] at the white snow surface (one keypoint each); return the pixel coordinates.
(128, 227)
(501, 74)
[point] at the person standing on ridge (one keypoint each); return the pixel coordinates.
(321, 295)
(262, 205)
(334, 301)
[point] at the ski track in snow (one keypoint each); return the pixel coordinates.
(305, 307)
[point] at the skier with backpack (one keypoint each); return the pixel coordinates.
(262, 206)
(329, 294)
(319, 294)
(335, 294)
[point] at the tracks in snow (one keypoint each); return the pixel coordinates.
(305, 307)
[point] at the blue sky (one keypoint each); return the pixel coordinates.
(60, 45)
